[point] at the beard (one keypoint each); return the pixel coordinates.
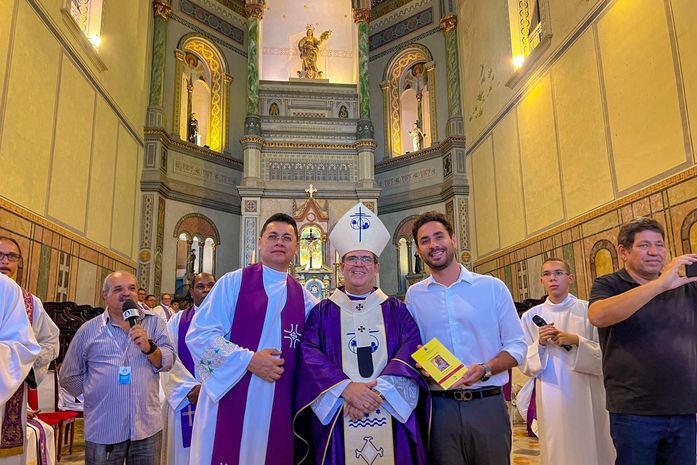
(443, 262)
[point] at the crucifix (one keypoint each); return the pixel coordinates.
(311, 190)
(310, 239)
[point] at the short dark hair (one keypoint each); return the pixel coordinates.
(280, 218)
(628, 230)
(556, 259)
(427, 218)
(201, 274)
(9, 239)
(149, 295)
(141, 289)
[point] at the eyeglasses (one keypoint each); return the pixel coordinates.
(556, 274)
(355, 260)
(12, 257)
(273, 237)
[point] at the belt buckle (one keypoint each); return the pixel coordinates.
(462, 395)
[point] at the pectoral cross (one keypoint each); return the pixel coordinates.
(189, 414)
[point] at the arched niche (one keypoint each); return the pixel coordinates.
(603, 258)
(197, 243)
(201, 87)
(409, 96)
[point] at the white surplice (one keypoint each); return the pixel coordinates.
(48, 336)
(176, 384)
(573, 422)
(227, 364)
(18, 346)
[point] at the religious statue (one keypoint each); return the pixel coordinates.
(190, 262)
(192, 130)
(417, 137)
(309, 51)
(417, 263)
(343, 112)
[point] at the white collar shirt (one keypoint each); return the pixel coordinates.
(474, 318)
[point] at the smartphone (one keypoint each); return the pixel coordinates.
(691, 270)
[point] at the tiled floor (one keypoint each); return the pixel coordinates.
(526, 450)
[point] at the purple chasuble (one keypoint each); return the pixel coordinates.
(320, 368)
(247, 326)
(12, 434)
(187, 413)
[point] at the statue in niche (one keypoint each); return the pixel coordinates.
(417, 137)
(190, 262)
(192, 130)
(273, 109)
(343, 112)
(309, 52)
(417, 263)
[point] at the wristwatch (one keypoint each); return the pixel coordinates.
(487, 372)
(153, 348)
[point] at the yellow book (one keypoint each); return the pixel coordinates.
(440, 363)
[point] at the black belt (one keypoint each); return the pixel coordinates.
(468, 394)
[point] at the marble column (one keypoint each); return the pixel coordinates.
(361, 16)
(365, 146)
(162, 10)
(252, 124)
(455, 126)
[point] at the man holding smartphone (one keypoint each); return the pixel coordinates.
(646, 314)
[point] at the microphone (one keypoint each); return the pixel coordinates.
(539, 321)
(130, 312)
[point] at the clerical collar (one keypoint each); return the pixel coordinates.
(357, 296)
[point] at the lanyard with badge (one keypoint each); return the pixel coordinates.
(124, 373)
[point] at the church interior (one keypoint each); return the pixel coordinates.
(156, 136)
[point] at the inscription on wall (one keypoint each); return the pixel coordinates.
(203, 174)
(408, 178)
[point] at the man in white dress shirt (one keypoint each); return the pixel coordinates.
(564, 357)
(474, 317)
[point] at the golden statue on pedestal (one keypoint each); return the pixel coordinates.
(309, 51)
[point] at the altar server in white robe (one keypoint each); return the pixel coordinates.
(45, 331)
(564, 356)
(18, 351)
(180, 386)
(244, 343)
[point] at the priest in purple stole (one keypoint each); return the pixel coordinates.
(359, 398)
(18, 352)
(244, 341)
(180, 386)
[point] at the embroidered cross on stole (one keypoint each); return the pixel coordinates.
(364, 356)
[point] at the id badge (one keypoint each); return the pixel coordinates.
(124, 375)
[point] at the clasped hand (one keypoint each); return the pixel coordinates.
(549, 333)
(267, 365)
(361, 399)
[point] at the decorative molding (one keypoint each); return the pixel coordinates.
(192, 149)
(448, 23)
(396, 15)
(180, 227)
(361, 15)
(41, 221)
(86, 46)
(162, 9)
(401, 29)
(228, 9)
(595, 213)
(380, 8)
(255, 10)
(209, 36)
(204, 16)
(405, 43)
(434, 151)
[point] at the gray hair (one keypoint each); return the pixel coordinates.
(105, 284)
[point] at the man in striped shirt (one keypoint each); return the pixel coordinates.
(117, 368)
